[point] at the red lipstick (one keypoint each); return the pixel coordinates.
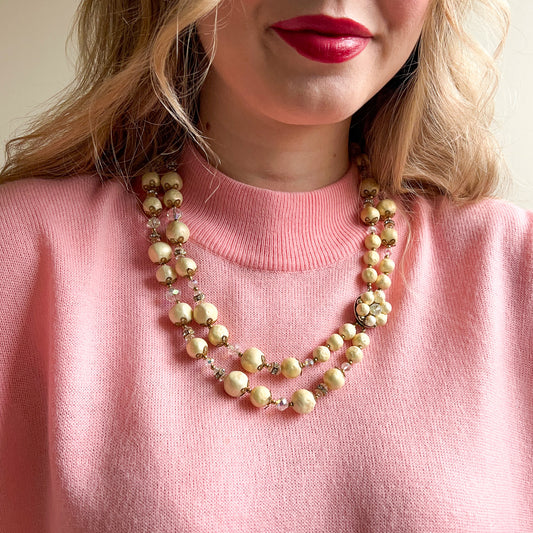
(324, 39)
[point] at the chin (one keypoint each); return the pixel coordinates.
(310, 114)
(313, 103)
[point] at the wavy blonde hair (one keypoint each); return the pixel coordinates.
(138, 77)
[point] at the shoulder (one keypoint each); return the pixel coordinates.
(488, 242)
(64, 222)
(494, 224)
(481, 255)
(486, 211)
(48, 194)
(488, 245)
(41, 204)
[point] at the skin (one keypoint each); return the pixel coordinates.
(278, 120)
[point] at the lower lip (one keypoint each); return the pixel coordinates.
(324, 48)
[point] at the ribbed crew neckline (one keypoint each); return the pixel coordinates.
(270, 230)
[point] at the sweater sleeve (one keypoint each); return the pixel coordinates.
(25, 322)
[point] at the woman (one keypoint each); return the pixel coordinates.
(411, 412)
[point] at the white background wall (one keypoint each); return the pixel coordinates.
(33, 67)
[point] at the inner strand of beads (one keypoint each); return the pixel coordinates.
(371, 308)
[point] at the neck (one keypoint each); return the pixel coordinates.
(265, 153)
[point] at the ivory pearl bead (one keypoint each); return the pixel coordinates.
(389, 237)
(234, 382)
(173, 198)
(371, 258)
(321, 354)
(218, 335)
(354, 354)
(369, 275)
(362, 309)
(160, 252)
(386, 208)
(260, 396)
(372, 241)
(251, 359)
(362, 340)
(369, 187)
(367, 297)
(383, 281)
(386, 308)
(150, 180)
(181, 313)
(196, 346)
(152, 206)
(387, 265)
(185, 266)
(171, 180)
(369, 215)
(370, 321)
(166, 274)
(177, 232)
(303, 401)
(334, 379)
(290, 367)
(205, 313)
(381, 320)
(347, 331)
(335, 342)
(379, 296)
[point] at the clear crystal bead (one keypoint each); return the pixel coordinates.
(375, 309)
(199, 297)
(193, 284)
(173, 294)
(275, 368)
(282, 404)
(323, 388)
(179, 252)
(153, 223)
(174, 214)
(372, 229)
(309, 362)
(234, 349)
(187, 331)
(346, 367)
(220, 373)
(209, 361)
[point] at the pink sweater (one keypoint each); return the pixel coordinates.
(108, 425)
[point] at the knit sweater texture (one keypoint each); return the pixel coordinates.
(106, 424)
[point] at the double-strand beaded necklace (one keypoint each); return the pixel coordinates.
(370, 309)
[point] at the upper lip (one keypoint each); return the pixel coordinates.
(325, 25)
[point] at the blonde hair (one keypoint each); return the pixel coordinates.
(135, 96)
